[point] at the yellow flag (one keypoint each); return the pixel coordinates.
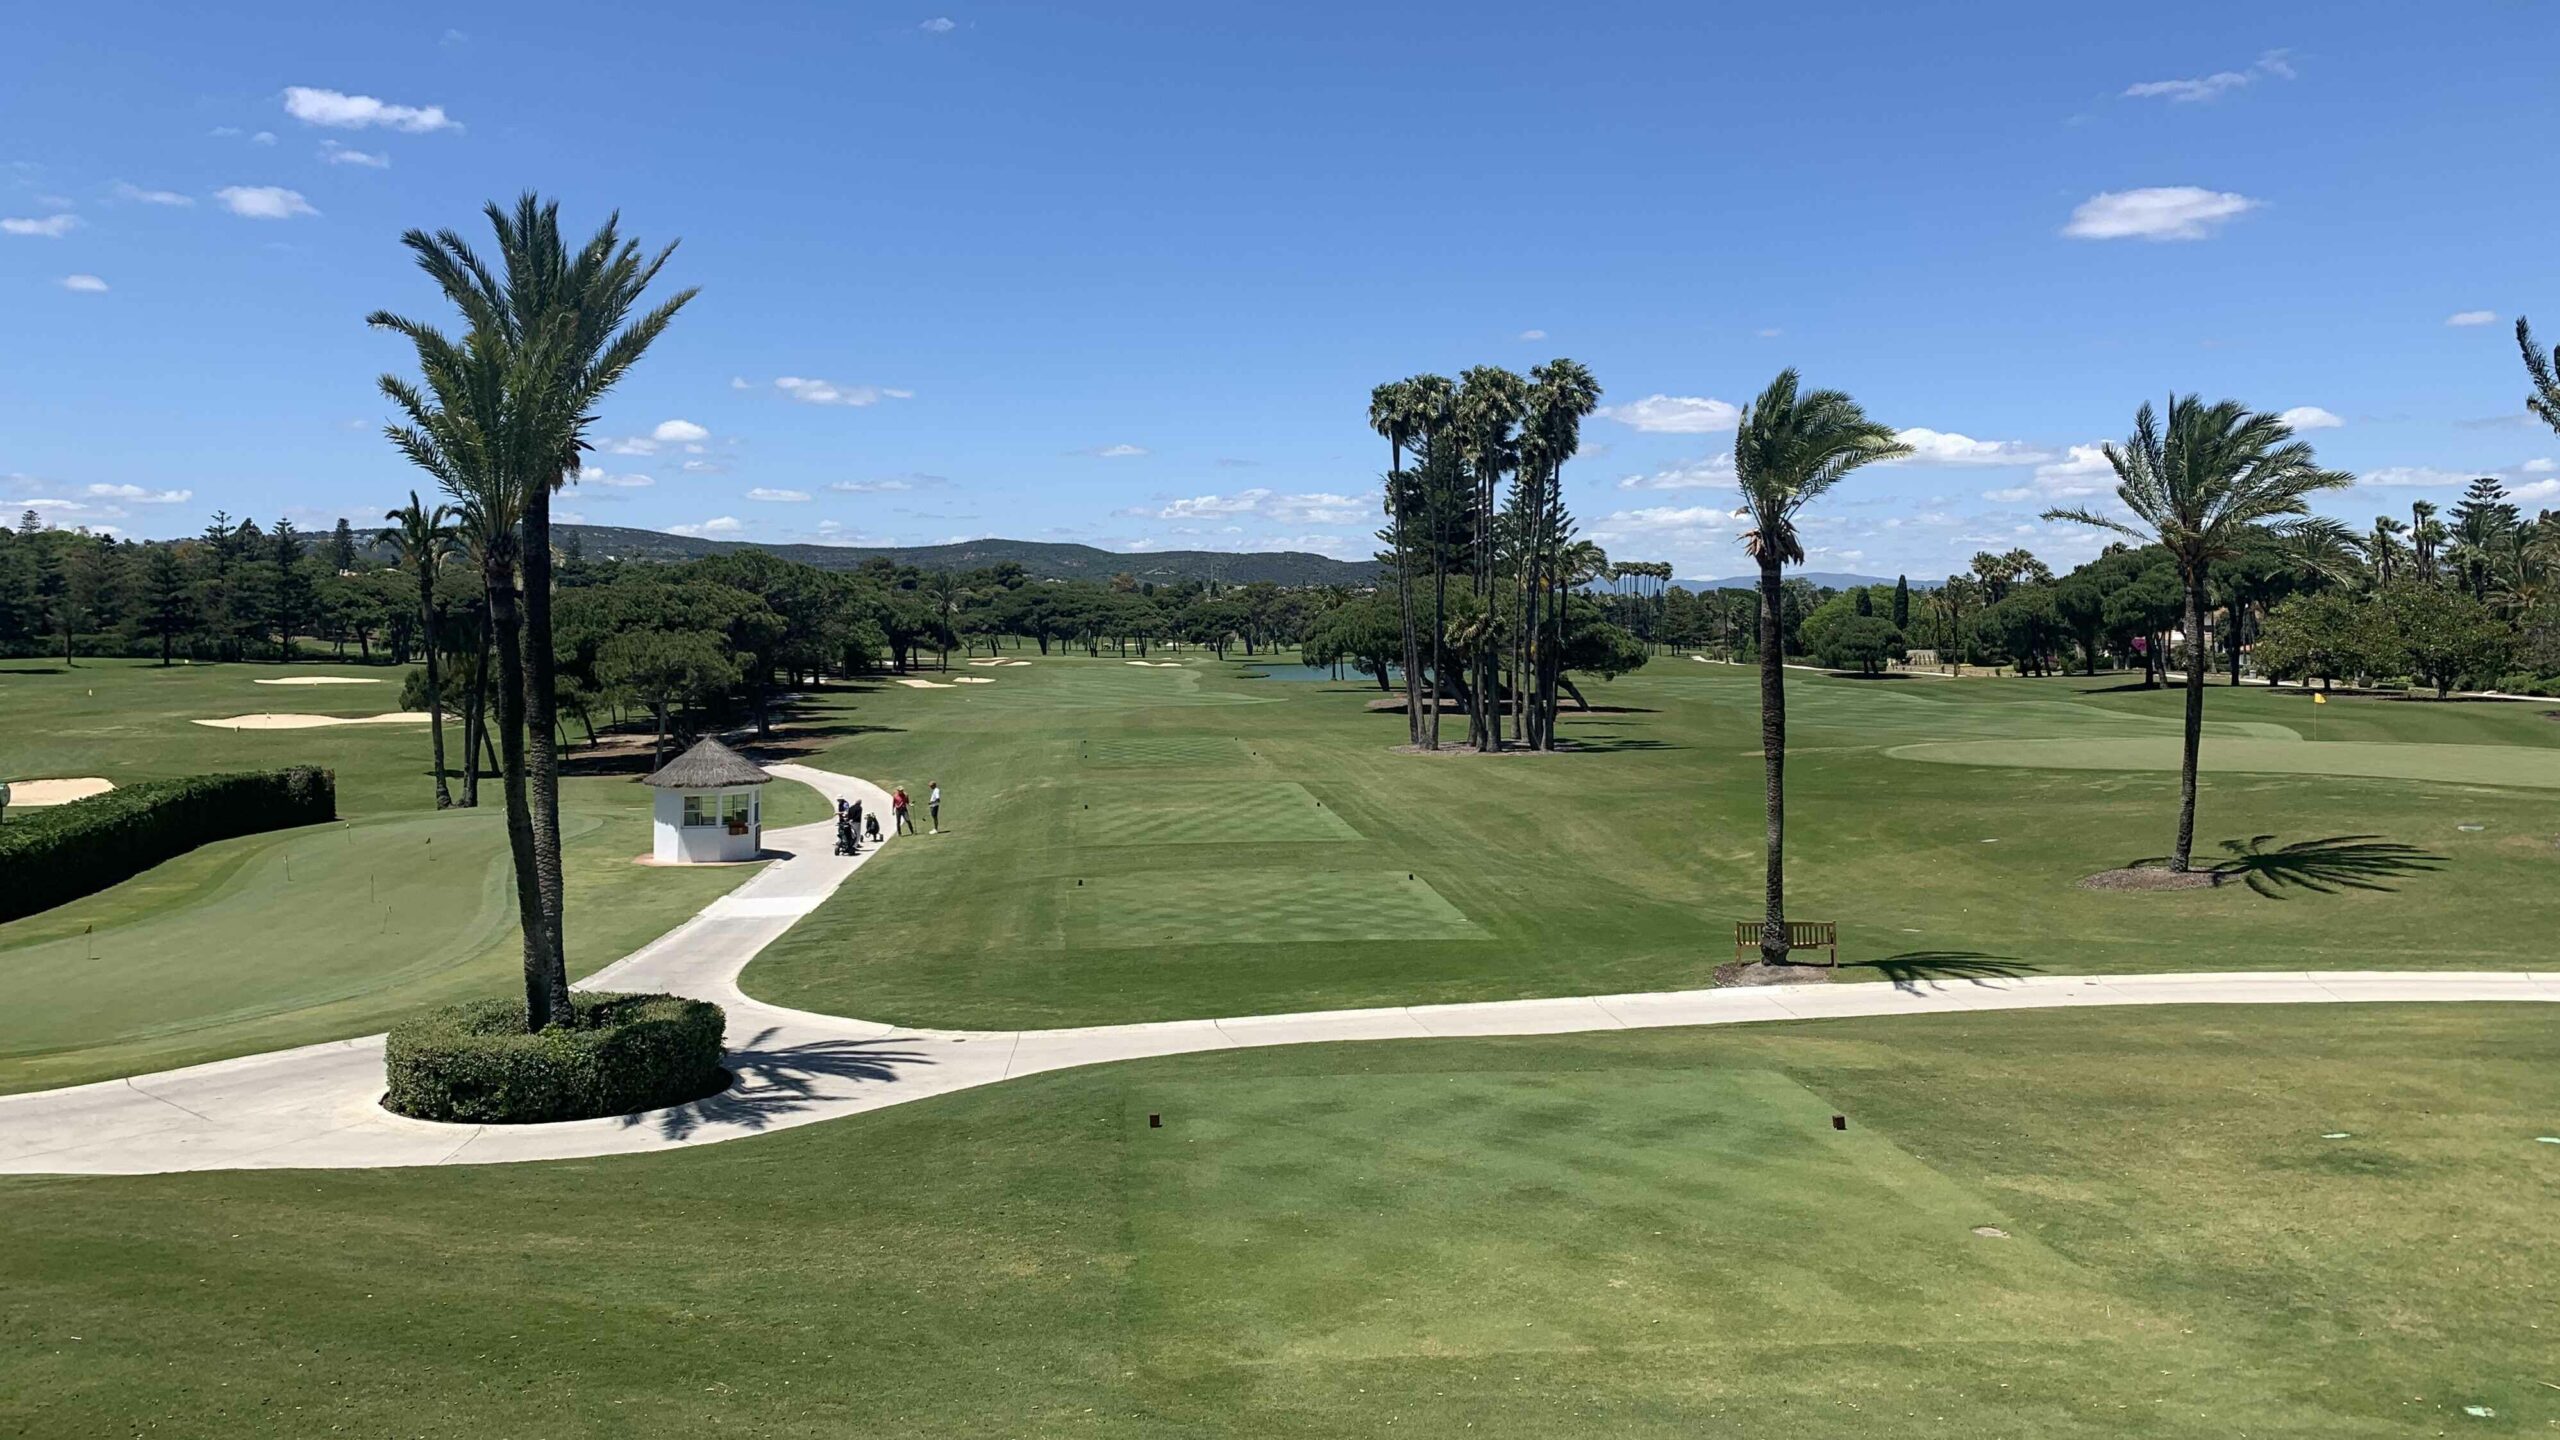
(2319, 699)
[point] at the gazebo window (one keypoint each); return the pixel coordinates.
(701, 811)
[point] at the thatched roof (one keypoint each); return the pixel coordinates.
(709, 765)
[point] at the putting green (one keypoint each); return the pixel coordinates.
(2452, 764)
(261, 927)
(1484, 1214)
(1205, 812)
(1244, 908)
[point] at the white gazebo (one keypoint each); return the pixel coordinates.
(708, 807)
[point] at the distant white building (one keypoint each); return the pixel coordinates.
(709, 807)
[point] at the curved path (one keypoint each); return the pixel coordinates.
(314, 1107)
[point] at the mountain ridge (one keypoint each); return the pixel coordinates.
(1043, 560)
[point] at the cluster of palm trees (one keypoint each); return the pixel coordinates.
(1482, 507)
(499, 418)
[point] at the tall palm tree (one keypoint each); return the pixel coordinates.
(565, 320)
(2426, 536)
(1393, 415)
(468, 428)
(2383, 552)
(1487, 412)
(2220, 478)
(1562, 394)
(1430, 402)
(1789, 447)
(420, 538)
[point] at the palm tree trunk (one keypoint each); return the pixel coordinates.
(435, 693)
(2194, 725)
(1773, 752)
(542, 746)
(475, 716)
(1439, 634)
(546, 988)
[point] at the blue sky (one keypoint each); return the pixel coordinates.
(1125, 274)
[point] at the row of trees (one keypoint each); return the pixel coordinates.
(1478, 521)
(236, 592)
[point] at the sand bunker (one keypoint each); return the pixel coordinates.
(986, 662)
(971, 680)
(1155, 664)
(314, 722)
(321, 680)
(57, 792)
(924, 684)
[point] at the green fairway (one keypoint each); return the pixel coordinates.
(2257, 1221)
(303, 935)
(2452, 764)
(1206, 812)
(1208, 837)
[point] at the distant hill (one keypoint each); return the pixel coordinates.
(1041, 560)
(1825, 579)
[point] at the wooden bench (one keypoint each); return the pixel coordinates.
(1801, 935)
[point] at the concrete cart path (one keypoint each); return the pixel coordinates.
(315, 1107)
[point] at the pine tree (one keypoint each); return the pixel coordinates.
(1902, 602)
(342, 548)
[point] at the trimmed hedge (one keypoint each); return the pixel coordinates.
(622, 1053)
(62, 852)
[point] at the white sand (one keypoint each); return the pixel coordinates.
(1017, 662)
(314, 722)
(57, 792)
(321, 680)
(986, 662)
(924, 684)
(1155, 664)
(971, 680)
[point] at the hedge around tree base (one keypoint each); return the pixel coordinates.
(476, 1064)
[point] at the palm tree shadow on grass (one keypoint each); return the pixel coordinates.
(2323, 867)
(1912, 968)
(772, 1081)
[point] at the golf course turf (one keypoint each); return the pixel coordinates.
(2320, 1221)
(1652, 1234)
(1156, 860)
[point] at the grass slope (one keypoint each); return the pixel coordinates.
(1652, 1234)
(1130, 843)
(304, 935)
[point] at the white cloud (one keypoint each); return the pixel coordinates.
(869, 487)
(1770, 333)
(357, 112)
(2472, 317)
(2080, 472)
(717, 525)
(778, 497)
(827, 392)
(2542, 466)
(1533, 334)
(85, 284)
(1119, 452)
(1946, 447)
(2410, 476)
(2534, 492)
(2215, 85)
(938, 25)
(612, 481)
(1319, 508)
(2310, 417)
(1675, 414)
(740, 382)
(334, 153)
(263, 202)
(1669, 527)
(52, 227)
(1713, 473)
(679, 432)
(263, 137)
(126, 191)
(135, 494)
(2162, 212)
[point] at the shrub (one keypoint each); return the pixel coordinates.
(63, 852)
(622, 1053)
